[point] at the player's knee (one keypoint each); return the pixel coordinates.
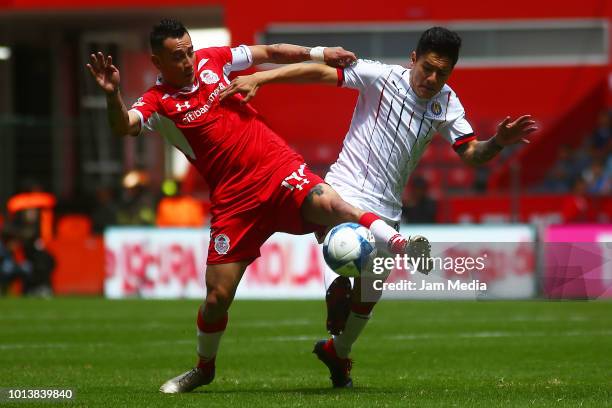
(218, 299)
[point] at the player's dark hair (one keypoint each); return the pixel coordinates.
(440, 40)
(166, 28)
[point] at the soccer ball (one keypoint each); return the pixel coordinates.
(348, 249)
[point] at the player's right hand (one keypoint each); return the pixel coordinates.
(338, 57)
(246, 85)
(104, 72)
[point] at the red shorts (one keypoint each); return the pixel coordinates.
(239, 235)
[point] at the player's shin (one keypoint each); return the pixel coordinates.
(364, 298)
(209, 338)
(358, 318)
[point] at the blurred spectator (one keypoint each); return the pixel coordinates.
(592, 162)
(178, 210)
(564, 171)
(601, 141)
(597, 179)
(105, 210)
(138, 204)
(30, 230)
(32, 213)
(13, 265)
(419, 208)
(27, 260)
(481, 178)
(608, 168)
(42, 266)
(575, 208)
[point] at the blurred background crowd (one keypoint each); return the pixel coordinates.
(64, 179)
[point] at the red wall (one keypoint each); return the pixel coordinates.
(246, 17)
(530, 208)
(314, 119)
(322, 114)
(35, 5)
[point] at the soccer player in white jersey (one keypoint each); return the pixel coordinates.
(397, 113)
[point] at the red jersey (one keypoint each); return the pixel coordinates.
(228, 143)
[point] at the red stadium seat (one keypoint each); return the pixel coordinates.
(79, 257)
(73, 226)
(460, 177)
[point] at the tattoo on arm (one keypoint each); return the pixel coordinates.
(315, 191)
(288, 53)
(480, 152)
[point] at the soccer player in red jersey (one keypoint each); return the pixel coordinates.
(258, 184)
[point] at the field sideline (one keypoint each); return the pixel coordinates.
(117, 353)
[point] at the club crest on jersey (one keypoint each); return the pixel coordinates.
(180, 107)
(435, 108)
(222, 244)
(209, 77)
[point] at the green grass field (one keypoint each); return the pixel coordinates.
(117, 353)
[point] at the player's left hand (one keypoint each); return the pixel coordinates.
(511, 132)
(246, 85)
(338, 57)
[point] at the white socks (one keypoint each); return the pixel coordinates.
(209, 337)
(354, 326)
(386, 237)
(208, 344)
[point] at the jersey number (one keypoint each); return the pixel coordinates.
(297, 179)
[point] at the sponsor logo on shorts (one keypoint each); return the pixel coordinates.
(222, 244)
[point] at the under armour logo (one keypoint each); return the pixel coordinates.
(180, 107)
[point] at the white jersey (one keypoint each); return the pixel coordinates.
(390, 129)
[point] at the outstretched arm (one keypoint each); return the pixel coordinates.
(508, 133)
(288, 54)
(107, 77)
(295, 73)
